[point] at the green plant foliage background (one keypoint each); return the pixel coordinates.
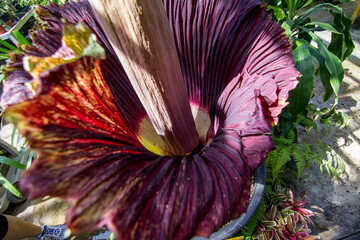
(314, 59)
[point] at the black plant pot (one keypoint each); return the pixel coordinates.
(235, 225)
(6, 18)
(14, 199)
(20, 13)
(18, 7)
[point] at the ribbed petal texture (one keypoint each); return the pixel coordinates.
(81, 115)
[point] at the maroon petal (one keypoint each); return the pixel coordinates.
(217, 40)
(169, 198)
(15, 89)
(240, 109)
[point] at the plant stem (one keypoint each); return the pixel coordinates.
(141, 37)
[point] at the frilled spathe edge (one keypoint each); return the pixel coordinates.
(81, 123)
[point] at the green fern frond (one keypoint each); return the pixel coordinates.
(326, 158)
(308, 124)
(286, 150)
(284, 157)
(292, 137)
(341, 120)
(328, 116)
(334, 165)
(283, 142)
(258, 216)
(277, 159)
(328, 123)
(299, 160)
(299, 119)
(319, 151)
(307, 153)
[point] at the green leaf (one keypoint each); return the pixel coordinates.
(9, 186)
(304, 62)
(341, 45)
(325, 26)
(268, 189)
(324, 74)
(11, 162)
(21, 39)
(278, 13)
(7, 45)
(319, 7)
(304, 34)
(291, 5)
(333, 64)
(2, 117)
(305, 5)
(268, 223)
(285, 25)
(4, 50)
(3, 56)
(13, 135)
(286, 122)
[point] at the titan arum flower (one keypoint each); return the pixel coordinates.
(149, 117)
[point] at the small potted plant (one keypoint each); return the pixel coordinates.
(6, 10)
(12, 162)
